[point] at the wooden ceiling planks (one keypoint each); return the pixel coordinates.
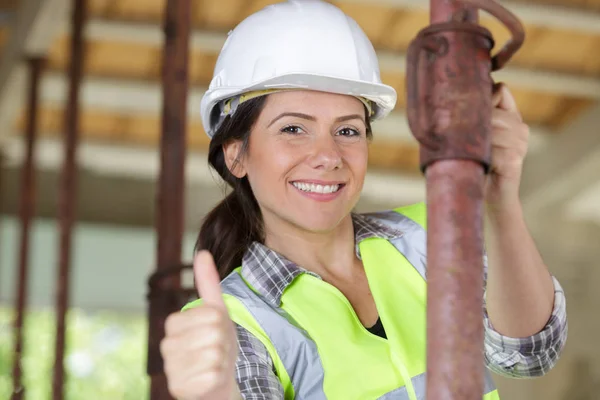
(255, 5)
(563, 51)
(549, 49)
(580, 4)
(126, 60)
(111, 127)
(552, 110)
(220, 16)
(568, 110)
(402, 30)
(130, 10)
(136, 61)
(110, 59)
(376, 23)
(389, 28)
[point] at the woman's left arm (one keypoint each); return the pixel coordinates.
(525, 308)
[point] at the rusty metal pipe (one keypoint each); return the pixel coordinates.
(170, 199)
(26, 212)
(455, 363)
(68, 192)
(449, 110)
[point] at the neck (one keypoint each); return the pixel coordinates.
(324, 253)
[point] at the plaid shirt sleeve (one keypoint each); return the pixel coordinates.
(532, 356)
(254, 370)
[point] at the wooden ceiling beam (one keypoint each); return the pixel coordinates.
(126, 62)
(542, 15)
(145, 98)
(219, 13)
(210, 43)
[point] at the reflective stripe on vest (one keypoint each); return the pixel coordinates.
(297, 352)
(324, 352)
(419, 383)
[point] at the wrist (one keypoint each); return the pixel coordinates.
(504, 210)
(504, 218)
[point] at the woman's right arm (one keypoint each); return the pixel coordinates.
(254, 371)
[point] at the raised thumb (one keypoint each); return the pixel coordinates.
(207, 279)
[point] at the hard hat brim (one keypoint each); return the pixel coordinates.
(383, 96)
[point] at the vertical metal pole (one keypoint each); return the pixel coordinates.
(449, 111)
(68, 191)
(26, 211)
(170, 200)
(455, 363)
(455, 279)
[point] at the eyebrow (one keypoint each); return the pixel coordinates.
(350, 117)
(311, 118)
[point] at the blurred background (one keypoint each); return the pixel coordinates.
(555, 79)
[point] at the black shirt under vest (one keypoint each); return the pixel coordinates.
(378, 329)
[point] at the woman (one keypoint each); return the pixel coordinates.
(328, 303)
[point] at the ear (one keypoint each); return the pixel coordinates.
(232, 151)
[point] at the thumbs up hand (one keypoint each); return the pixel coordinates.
(200, 344)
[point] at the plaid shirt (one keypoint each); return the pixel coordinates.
(270, 274)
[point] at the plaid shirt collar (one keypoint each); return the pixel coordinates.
(271, 273)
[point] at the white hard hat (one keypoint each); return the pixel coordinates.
(298, 44)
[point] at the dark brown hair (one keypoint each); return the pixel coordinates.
(231, 227)
(236, 221)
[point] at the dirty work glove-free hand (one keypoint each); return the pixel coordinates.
(200, 344)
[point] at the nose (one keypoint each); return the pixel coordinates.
(325, 154)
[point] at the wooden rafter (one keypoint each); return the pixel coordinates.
(565, 14)
(140, 61)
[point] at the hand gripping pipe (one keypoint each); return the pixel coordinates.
(449, 110)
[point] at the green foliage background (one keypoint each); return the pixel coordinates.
(105, 356)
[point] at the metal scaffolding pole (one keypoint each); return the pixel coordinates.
(449, 110)
(26, 212)
(170, 199)
(68, 191)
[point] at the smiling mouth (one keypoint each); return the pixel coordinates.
(316, 188)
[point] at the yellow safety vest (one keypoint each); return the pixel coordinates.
(319, 347)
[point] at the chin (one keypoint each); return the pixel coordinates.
(319, 219)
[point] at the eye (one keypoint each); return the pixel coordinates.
(348, 132)
(292, 129)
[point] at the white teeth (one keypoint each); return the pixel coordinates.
(311, 187)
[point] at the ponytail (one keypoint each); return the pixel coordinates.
(236, 222)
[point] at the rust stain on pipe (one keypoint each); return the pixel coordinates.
(449, 90)
(171, 185)
(68, 192)
(26, 212)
